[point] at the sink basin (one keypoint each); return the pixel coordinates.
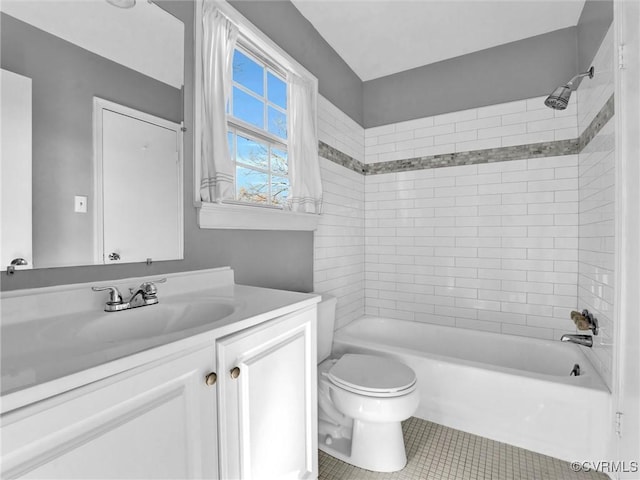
(141, 323)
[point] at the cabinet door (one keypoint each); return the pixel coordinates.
(156, 421)
(268, 412)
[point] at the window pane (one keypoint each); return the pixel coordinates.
(277, 123)
(248, 108)
(252, 152)
(279, 190)
(248, 73)
(276, 90)
(251, 185)
(279, 163)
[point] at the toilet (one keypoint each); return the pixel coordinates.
(361, 401)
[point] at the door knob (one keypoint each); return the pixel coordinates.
(235, 372)
(11, 269)
(211, 379)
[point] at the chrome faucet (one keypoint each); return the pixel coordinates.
(583, 321)
(584, 340)
(147, 291)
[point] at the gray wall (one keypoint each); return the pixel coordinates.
(513, 71)
(286, 26)
(65, 78)
(271, 259)
(595, 19)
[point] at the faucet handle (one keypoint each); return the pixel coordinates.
(115, 297)
(149, 288)
(593, 322)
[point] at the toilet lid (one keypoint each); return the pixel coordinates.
(369, 373)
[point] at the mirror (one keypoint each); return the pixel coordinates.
(65, 66)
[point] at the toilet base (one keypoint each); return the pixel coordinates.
(378, 447)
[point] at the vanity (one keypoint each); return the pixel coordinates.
(216, 380)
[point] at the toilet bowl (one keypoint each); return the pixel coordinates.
(361, 401)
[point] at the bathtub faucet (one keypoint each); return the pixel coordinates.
(584, 340)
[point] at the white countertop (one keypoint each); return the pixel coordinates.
(41, 357)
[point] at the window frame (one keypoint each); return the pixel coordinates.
(252, 132)
(231, 214)
(270, 172)
(255, 55)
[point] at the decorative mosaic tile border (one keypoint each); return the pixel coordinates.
(489, 155)
(473, 157)
(336, 156)
(604, 115)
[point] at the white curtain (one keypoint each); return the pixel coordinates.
(219, 41)
(304, 167)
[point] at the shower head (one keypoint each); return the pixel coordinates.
(559, 99)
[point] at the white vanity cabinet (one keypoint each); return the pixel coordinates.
(255, 419)
(267, 404)
(154, 421)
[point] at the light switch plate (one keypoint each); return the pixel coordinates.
(80, 204)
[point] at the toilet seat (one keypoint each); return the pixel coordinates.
(372, 376)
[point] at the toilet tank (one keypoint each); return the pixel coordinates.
(326, 322)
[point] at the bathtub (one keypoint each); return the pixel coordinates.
(503, 387)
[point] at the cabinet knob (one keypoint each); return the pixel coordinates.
(235, 372)
(211, 379)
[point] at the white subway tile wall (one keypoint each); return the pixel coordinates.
(596, 263)
(338, 130)
(339, 240)
(509, 247)
(504, 125)
(490, 247)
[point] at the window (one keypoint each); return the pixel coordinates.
(258, 130)
(273, 160)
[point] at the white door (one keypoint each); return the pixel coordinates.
(268, 412)
(15, 169)
(153, 422)
(141, 187)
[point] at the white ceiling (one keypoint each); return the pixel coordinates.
(381, 37)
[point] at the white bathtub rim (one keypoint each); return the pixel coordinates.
(587, 380)
(452, 417)
(592, 380)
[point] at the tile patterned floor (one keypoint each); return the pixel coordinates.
(439, 453)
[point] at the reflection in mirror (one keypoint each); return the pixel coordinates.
(138, 185)
(59, 55)
(15, 141)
